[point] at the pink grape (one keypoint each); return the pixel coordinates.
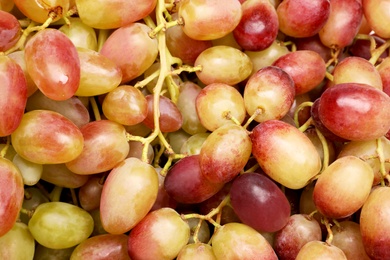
(185, 183)
(57, 139)
(258, 27)
(340, 105)
(10, 30)
(259, 202)
(209, 20)
(377, 15)
(14, 95)
(138, 183)
(105, 145)
(131, 49)
(11, 195)
(53, 64)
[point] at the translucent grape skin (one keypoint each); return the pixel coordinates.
(105, 145)
(223, 64)
(258, 26)
(80, 34)
(209, 20)
(306, 67)
(57, 139)
(275, 147)
(10, 30)
(259, 202)
(224, 153)
(90, 193)
(320, 250)
(160, 235)
(343, 107)
(60, 225)
(170, 119)
(39, 12)
(53, 64)
(377, 15)
(60, 175)
(214, 101)
(132, 49)
(272, 90)
(374, 223)
(301, 19)
(196, 251)
(185, 183)
(14, 95)
(102, 246)
(239, 241)
(126, 105)
(299, 230)
(337, 34)
(138, 182)
(11, 195)
(384, 69)
(113, 15)
(343, 187)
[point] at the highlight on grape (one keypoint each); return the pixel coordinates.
(195, 129)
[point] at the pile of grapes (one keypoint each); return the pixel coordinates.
(194, 129)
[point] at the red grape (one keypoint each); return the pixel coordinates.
(10, 30)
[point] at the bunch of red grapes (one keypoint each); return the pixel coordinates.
(194, 129)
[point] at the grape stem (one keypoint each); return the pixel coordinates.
(375, 54)
(55, 194)
(74, 197)
(27, 212)
(95, 108)
(325, 149)
(306, 125)
(328, 226)
(102, 37)
(257, 112)
(299, 108)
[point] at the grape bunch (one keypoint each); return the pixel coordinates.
(195, 129)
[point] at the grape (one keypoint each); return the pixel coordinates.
(377, 15)
(320, 250)
(223, 64)
(224, 153)
(374, 223)
(97, 223)
(105, 145)
(313, 136)
(80, 34)
(299, 230)
(227, 40)
(184, 47)
(177, 139)
(18, 243)
(60, 225)
(384, 69)
(259, 202)
(60, 175)
(11, 195)
(186, 103)
(313, 43)
(348, 238)
(301, 19)
(194, 144)
(10, 30)
(266, 57)
(137, 182)
(214, 101)
(53, 64)
(365, 149)
(185, 182)
(33, 197)
(90, 193)
(170, 119)
(99, 74)
(341, 104)
(204, 231)
(258, 26)
(209, 20)
(196, 251)
(136, 149)
(131, 49)
(343, 23)
(7, 5)
(31, 172)
(239, 241)
(163, 200)
(343, 187)
(160, 235)
(18, 57)
(270, 89)
(44, 253)
(14, 95)
(39, 12)
(101, 247)
(113, 14)
(275, 147)
(362, 48)
(126, 105)
(306, 67)
(72, 108)
(357, 70)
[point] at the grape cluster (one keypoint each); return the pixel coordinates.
(195, 129)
